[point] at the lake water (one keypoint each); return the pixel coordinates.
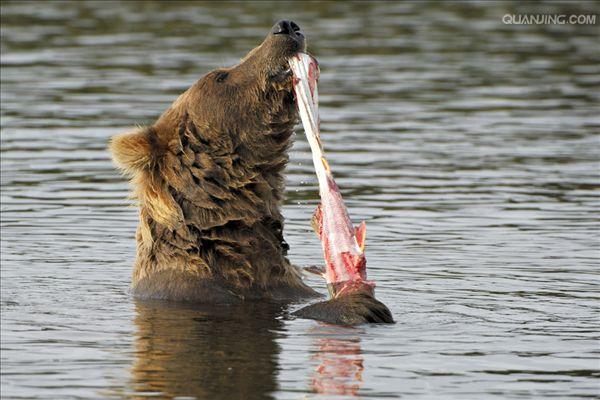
(470, 147)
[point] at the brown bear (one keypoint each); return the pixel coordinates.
(208, 177)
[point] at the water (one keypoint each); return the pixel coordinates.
(470, 147)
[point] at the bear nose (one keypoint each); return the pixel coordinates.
(285, 27)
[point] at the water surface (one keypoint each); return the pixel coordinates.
(470, 147)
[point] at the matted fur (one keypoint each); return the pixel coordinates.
(208, 177)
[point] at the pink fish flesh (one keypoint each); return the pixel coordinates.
(343, 245)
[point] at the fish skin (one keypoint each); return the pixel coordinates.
(343, 245)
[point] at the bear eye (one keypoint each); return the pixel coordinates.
(221, 76)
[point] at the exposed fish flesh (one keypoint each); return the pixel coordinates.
(343, 245)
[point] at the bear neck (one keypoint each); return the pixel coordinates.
(227, 187)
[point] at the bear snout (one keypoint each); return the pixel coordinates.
(285, 27)
(288, 28)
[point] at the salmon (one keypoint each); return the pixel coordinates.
(343, 245)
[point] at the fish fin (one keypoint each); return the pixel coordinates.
(317, 220)
(316, 269)
(361, 235)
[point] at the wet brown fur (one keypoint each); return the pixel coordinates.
(208, 178)
(349, 309)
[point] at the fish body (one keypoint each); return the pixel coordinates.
(343, 245)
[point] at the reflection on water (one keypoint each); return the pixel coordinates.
(214, 352)
(207, 352)
(337, 350)
(469, 146)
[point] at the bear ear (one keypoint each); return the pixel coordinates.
(138, 154)
(132, 151)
